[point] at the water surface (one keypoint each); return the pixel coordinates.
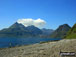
(8, 42)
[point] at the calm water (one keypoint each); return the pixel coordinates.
(7, 42)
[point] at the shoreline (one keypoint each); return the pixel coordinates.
(48, 49)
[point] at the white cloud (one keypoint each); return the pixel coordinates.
(29, 21)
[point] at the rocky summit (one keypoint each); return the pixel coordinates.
(61, 31)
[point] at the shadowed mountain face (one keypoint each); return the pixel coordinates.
(72, 32)
(61, 31)
(19, 30)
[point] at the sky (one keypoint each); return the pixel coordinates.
(53, 12)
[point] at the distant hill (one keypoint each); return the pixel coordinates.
(61, 31)
(47, 31)
(19, 30)
(71, 33)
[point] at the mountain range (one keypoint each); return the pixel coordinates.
(19, 30)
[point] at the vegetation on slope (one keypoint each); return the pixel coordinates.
(71, 33)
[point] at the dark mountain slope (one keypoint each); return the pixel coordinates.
(61, 31)
(19, 30)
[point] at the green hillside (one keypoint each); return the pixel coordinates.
(71, 33)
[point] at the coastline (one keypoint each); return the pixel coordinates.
(47, 49)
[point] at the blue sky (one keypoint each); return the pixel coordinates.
(54, 12)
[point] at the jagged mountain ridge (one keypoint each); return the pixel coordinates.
(19, 30)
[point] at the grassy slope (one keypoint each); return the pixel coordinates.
(72, 33)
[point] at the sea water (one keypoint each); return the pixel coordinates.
(11, 42)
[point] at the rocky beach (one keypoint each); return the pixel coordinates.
(47, 49)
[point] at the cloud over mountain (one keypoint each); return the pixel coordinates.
(29, 21)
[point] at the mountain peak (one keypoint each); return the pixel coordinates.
(17, 25)
(64, 25)
(61, 31)
(19, 30)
